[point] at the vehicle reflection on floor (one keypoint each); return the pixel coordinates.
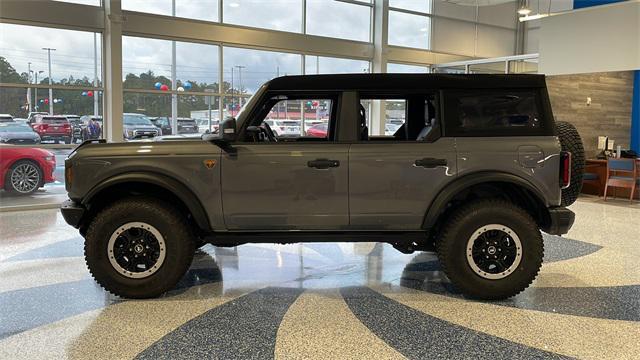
(321, 300)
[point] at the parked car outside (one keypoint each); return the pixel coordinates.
(76, 127)
(163, 124)
(203, 126)
(6, 118)
(21, 120)
(18, 133)
(187, 126)
(24, 170)
(56, 128)
(138, 126)
(285, 128)
(319, 130)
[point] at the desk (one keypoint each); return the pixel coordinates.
(600, 167)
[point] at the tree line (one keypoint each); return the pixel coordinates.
(14, 100)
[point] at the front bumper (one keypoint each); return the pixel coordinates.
(72, 212)
(561, 220)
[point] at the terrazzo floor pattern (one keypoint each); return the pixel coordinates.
(323, 300)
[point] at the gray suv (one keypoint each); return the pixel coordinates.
(476, 170)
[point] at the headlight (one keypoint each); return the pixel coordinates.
(129, 133)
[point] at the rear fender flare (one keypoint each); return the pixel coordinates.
(438, 205)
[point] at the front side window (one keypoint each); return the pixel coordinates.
(493, 113)
(294, 120)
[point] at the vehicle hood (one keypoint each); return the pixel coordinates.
(143, 149)
(19, 135)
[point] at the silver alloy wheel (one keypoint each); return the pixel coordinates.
(136, 250)
(25, 178)
(494, 251)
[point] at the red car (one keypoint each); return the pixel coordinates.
(25, 170)
(56, 128)
(318, 130)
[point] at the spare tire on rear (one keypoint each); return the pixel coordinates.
(570, 141)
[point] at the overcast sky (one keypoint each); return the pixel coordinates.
(74, 53)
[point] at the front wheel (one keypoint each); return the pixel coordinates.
(491, 249)
(138, 248)
(24, 177)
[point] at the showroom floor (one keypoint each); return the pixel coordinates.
(323, 300)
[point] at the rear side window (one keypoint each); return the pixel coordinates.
(494, 113)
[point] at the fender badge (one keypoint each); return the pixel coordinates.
(209, 164)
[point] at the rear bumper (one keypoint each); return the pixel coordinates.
(72, 212)
(561, 220)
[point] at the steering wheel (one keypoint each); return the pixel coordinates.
(270, 134)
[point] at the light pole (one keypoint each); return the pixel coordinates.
(36, 89)
(240, 67)
(50, 89)
(29, 88)
(95, 74)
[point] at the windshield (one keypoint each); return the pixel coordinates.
(5, 127)
(130, 119)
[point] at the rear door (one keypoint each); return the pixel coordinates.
(393, 179)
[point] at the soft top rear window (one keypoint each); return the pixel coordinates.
(505, 112)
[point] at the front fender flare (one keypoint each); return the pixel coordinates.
(180, 190)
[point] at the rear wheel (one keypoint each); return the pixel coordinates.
(138, 248)
(570, 141)
(491, 249)
(24, 177)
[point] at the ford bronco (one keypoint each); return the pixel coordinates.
(476, 169)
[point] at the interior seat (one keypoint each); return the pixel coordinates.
(429, 116)
(364, 130)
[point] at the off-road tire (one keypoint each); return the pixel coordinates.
(452, 245)
(9, 186)
(166, 219)
(570, 141)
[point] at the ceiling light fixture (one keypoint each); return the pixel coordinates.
(532, 17)
(524, 9)
(234, 5)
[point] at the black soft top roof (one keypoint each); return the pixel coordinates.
(405, 81)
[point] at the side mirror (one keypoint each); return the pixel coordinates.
(228, 129)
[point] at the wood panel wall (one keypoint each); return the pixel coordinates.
(609, 113)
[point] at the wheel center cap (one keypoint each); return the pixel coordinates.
(138, 248)
(491, 250)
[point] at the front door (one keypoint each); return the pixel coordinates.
(400, 165)
(299, 182)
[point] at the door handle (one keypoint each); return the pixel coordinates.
(430, 162)
(323, 163)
